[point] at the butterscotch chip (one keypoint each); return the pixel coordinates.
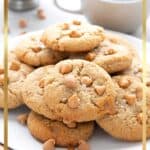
(66, 68)
(90, 56)
(130, 98)
(100, 89)
(49, 145)
(41, 14)
(70, 81)
(124, 82)
(74, 101)
(75, 34)
(65, 26)
(76, 22)
(15, 65)
(1, 70)
(83, 145)
(109, 51)
(36, 49)
(22, 23)
(23, 118)
(86, 80)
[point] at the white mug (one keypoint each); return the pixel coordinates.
(118, 15)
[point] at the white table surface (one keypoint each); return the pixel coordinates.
(54, 15)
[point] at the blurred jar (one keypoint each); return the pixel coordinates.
(22, 5)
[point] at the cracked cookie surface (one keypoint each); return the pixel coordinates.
(113, 54)
(44, 129)
(33, 52)
(127, 123)
(73, 37)
(17, 72)
(79, 91)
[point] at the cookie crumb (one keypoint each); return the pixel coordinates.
(73, 101)
(66, 68)
(23, 118)
(83, 145)
(22, 23)
(49, 145)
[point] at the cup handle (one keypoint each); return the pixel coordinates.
(79, 11)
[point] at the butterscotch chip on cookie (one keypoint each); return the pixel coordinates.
(75, 36)
(82, 94)
(33, 52)
(113, 54)
(127, 123)
(44, 129)
(17, 72)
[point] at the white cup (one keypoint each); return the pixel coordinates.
(118, 15)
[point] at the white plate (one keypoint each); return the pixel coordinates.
(20, 138)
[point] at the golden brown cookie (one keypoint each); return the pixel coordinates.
(33, 52)
(17, 72)
(71, 91)
(114, 54)
(127, 123)
(44, 129)
(73, 37)
(79, 91)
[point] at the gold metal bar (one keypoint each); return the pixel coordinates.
(5, 74)
(144, 41)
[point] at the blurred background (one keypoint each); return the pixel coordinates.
(118, 15)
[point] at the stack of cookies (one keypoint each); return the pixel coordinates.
(72, 75)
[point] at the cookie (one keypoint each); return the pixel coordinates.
(79, 91)
(33, 52)
(127, 123)
(73, 37)
(114, 54)
(17, 72)
(44, 129)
